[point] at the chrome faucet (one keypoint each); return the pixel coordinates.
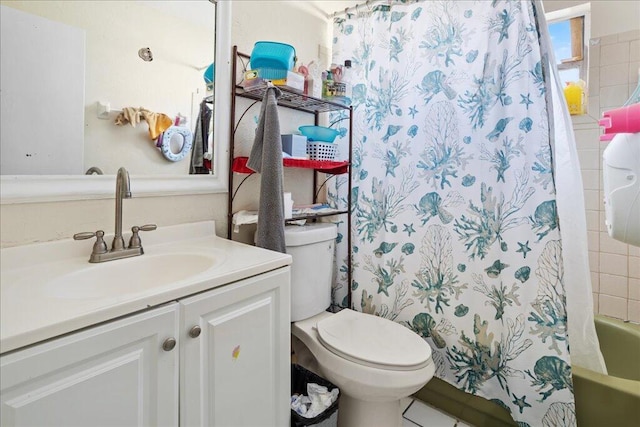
(100, 253)
(123, 191)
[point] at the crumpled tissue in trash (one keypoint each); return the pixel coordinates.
(318, 399)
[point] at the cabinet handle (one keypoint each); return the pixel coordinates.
(195, 331)
(169, 344)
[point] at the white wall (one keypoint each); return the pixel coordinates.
(41, 222)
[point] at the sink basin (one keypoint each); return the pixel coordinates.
(124, 276)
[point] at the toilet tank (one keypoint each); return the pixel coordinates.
(312, 248)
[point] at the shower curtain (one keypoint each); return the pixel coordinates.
(468, 222)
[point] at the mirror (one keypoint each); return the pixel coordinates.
(106, 91)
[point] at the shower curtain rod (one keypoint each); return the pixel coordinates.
(369, 4)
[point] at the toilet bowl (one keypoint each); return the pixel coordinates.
(375, 362)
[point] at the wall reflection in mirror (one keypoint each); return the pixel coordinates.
(91, 86)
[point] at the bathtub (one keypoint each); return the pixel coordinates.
(601, 400)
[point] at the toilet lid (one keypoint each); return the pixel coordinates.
(373, 341)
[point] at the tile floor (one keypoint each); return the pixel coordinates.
(417, 413)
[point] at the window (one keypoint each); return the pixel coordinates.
(569, 29)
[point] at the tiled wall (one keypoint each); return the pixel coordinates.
(615, 267)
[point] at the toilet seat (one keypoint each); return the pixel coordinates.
(373, 341)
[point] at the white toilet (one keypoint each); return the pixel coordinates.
(374, 362)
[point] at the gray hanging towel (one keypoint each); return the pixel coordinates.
(201, 139)
(266, 158)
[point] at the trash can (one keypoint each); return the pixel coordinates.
(300, 377)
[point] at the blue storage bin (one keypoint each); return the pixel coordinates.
(273, 57)
(209, 73)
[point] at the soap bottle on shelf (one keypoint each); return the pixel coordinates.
(327, 86)
(308, 85)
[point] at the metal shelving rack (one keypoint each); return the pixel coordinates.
(300, 102)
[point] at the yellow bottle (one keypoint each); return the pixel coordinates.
(574, 94)
(327, 86)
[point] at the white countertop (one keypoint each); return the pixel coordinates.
(33, 310)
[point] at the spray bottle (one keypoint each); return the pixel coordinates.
(621, 170)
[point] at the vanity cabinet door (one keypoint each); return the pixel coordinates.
(115, 374)
(235, 354)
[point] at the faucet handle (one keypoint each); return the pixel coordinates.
(135, 241)
(99, 247)
(84, 235)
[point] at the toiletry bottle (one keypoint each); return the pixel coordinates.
(327, 86)
(574, 95)
(347, 80)
(308, 85)
(338, 85)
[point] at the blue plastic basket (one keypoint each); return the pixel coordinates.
(272, 59)
(319, 133)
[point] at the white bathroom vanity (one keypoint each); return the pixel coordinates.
(195, 332)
